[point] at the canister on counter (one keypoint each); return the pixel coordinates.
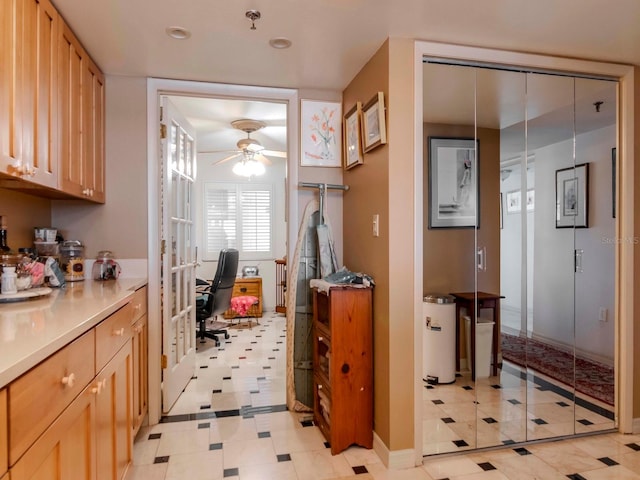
(72, 260)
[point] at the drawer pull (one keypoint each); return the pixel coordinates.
(119, 332)
(243, 289)
(101, 385)
(320, 339)
(138, 328)
(69, 380)
(319, 387)
(137, 306)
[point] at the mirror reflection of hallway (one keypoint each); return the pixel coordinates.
(555, 338)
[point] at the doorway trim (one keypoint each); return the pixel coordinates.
(155, 88)
(624, 258)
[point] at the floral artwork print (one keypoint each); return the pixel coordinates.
(321, 142)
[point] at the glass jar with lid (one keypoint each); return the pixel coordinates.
(72, 260)
(105, 267)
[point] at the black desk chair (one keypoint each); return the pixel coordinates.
(216, 298)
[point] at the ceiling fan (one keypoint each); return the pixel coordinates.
(249, 148)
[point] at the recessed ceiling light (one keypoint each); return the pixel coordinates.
(178, 33)
(280, 42)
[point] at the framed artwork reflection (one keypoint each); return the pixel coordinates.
(454, 200)
(572, 197)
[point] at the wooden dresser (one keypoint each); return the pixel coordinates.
(343, 366)
(251, 286)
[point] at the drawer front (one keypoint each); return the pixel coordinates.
(247, 288)
(40, 395)
(139, 304)
(112, 334)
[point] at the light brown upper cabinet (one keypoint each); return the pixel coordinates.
(81, 121)
(28, 123)
(51, 106)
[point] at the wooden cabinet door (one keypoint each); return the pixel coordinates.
(70, 59)
(114, 437)
(8, 150)
(140, 366)
(93, 131)
(28, 84)
(67, 449)
(4, 428)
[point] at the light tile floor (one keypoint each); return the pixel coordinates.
(231, 422)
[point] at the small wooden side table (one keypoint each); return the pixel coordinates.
(467, 300)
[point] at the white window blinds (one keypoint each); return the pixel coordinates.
(238, 216)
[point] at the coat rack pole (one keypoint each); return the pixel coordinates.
(322, 187)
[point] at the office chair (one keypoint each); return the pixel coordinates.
(216, 298)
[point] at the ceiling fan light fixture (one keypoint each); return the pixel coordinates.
(248, 168)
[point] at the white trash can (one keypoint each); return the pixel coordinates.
(484, 342)
(439, 339)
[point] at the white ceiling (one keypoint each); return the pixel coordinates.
(332, 40)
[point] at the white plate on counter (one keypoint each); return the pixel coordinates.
(22, 295)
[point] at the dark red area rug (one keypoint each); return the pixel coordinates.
(591, 378)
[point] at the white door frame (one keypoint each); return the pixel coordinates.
(624, 312)
(155, 88)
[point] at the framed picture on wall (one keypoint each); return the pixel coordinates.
(352, 137)
(514, 201)
(572, 197)
(454, 200)
(321, 134)
(374, 128)
(614, 170)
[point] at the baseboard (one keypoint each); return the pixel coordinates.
(393, 460)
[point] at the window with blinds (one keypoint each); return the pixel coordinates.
(238, 216)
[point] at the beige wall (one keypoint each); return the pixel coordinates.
(22, 212)
(449, 253)
(383, 185)
(120, 225)
(636, 256)
(369, 194)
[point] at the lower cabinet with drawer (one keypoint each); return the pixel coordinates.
(71, 416)
(247, 286)
(140, 359)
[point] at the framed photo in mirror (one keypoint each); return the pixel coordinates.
(572, 197)
(454, 200)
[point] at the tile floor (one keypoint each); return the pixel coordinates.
(231, 422)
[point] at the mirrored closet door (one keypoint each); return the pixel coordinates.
(519, 227)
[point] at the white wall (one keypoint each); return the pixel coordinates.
(120, 224)
(274, 175)
(554, 303)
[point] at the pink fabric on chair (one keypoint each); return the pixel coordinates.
(242, 304)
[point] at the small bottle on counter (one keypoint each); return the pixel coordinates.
(3, 236)
(9, 280)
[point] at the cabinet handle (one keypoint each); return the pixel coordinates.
(138, 328)
(91, 192)
(320, 339)
(137, 306)
(101, 385)
(119, 332)
(243, 289)
(319, 387)
(69, 380)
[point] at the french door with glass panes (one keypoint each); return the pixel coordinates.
(178, 255)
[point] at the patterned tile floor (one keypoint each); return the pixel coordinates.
(231, 422)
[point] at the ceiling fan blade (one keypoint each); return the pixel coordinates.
(261, 158)
(274, 153)
(226, 159)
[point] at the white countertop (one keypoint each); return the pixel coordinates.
(32, 330)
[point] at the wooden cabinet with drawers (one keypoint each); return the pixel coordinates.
(343, 366)
(72, 416)
(251, 286)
